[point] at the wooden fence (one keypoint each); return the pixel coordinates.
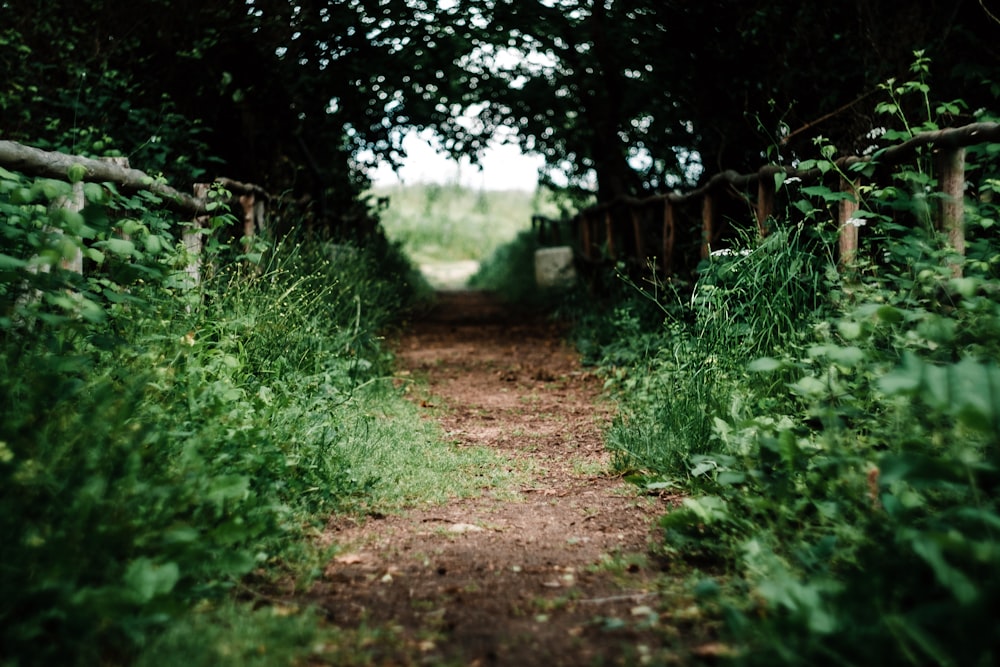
(249, 202)
(675, 231)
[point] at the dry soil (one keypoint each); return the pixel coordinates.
(557, 572)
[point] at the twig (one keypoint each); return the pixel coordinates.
(619, 598)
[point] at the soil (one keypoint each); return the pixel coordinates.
(561, 571)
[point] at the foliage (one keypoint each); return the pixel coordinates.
(161, 439)
(834, 428)
(448, 222)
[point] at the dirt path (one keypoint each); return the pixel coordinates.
(556, 575)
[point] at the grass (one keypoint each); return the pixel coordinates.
(833, 429)
(160, 441)
(449, 222)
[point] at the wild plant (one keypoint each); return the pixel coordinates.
(843, 466)
(162, 439)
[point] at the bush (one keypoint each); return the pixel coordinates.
(835, 432)
(159, 440)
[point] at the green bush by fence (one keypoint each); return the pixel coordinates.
(162, 439)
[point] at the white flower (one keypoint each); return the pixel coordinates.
(793, 179)
(729, 252)
(856, 222)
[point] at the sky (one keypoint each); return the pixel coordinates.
(503, 167)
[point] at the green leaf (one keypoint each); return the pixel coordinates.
(779, 179)
(809, 387)
(95, 193)
(929, 547)
(765, 365)
(146, 580)
(121, 247)
(8, 263)
(889, 314)
(76, 173)
(846, 356)
(849, 329)
(228, 487)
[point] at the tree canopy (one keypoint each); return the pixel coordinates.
(623, 96)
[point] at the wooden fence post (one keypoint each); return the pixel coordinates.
(765, 199)
(609, 232)
(846, 209)
(707, 224)
(247, 203)
(73, 202)
(952, 166)
(582, 221)
(669, 236)
(192, 237)
(640, 242)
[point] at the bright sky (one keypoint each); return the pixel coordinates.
(502, 167)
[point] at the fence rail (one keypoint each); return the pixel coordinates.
(641, 230)
(252, 200)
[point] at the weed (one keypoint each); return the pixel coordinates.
(836, 428)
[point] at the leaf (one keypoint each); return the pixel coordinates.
(929, 547)
(76, 173)
(846, 356)
(146, 580)
(779, 179)
(765, 365)
(809, 386)
(849, 329)
(8, 263)
(122, 247)
(889, 314)
(703, 467)
(731, 478)
(228, 487)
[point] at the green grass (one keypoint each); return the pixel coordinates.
(160, 441)
(449, 222)
(836, 431)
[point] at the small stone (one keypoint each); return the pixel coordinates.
(464, 528)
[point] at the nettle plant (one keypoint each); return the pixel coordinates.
(853, 480)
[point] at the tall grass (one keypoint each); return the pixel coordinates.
(160, 441)
(836, 432)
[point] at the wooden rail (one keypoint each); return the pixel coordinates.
(641, 230)
(251, 199)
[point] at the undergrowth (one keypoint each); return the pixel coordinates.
(834, 429)
(163, 440)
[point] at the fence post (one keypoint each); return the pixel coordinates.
(610, 233)
(846, 209)
(952, 166)
(669, 231)
(583, 222)
(260, 214)
(765, 199)
(247, 203)
(192, 237)
(124, 164)
(640, 242)
(707, 224)
(72, 202)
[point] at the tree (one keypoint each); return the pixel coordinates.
(629, 92)
(624, 96)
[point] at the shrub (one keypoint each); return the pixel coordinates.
(159, 440)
